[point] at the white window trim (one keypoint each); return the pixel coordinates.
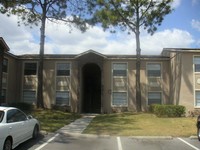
(161, 66)
(63, 62)
(154, 92)
(161, 78)
(194, 88)
(112, 77)
(24, 68)
(22, 83)
(64, 91)
(34, 102)
(7, 82)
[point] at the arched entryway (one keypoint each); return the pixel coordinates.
(91, 88)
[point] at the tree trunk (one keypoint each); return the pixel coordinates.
(138, 88)
(40, 102)
(138, 53)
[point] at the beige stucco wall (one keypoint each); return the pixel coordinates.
(183, 79)
(186, 88)
(13, 79)
(50, 83)
(177, 80)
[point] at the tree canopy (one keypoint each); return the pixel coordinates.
(36, 12)
(130, 16)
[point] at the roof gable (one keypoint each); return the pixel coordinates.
(90, 52)
(4, 45)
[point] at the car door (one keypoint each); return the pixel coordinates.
(16, 124)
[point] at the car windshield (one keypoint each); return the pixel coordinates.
(1, 116)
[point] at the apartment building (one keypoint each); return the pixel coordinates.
(92, 82)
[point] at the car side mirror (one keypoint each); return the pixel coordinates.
(30, 117)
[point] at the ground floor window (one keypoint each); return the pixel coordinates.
(119, 99)
(29, 96)
(3, 96)
(197, 98)
(154, 98)
(62, 98)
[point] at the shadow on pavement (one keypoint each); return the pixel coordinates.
(30, 143)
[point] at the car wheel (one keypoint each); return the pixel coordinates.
(7, 144)
(35, 132)
(198, 133)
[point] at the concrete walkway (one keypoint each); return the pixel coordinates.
(78, 126)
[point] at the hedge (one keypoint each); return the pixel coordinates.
(23, 106)
(168, 110)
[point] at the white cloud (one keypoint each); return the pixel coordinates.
(23, 40)
(195, 24)
(19, 39)
(176, 3)
(174, 38)
(195, 2)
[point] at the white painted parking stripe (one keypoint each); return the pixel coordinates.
(119, 143)
(189, 144)
(43, 145)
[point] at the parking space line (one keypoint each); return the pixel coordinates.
(119, 143)
(189, 144)
(43, 145)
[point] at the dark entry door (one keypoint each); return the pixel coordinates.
(91, 88)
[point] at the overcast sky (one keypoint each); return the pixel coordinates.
(180, 29)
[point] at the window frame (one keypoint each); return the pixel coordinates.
(120, 77)
(126, 69)
(194, 64)
(195, 98)
(30, 62)
(5, 67)
(29, 90)
(67, 100)
(161, 97)
(67, 70)
(153, 63)
(120, 105)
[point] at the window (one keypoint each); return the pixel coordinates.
(30, 68)
(197, 98)
(63, 69)
(1, 115)
(15, 115)
(119, 99)
(154, 98)
(5, 65)
(120, 69)
(153, 70)
(3, 95)
(196, 62)
(29, 96)
(62, 98)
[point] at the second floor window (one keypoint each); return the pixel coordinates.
(63, 69)
(196, 62)
(153, 70)
(5, 65)
(120, 69)
(30, 69)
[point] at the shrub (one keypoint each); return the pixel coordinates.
(167, 110)
(22, 106)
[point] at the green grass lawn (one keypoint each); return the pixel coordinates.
(143, 124)
(52, 120)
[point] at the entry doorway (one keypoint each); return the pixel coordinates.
(91, 88)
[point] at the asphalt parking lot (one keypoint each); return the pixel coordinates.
(91, 142)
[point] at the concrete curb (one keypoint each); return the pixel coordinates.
(193, 137)
(84, 135)
(152, 137)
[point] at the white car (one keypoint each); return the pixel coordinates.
(16, 127)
